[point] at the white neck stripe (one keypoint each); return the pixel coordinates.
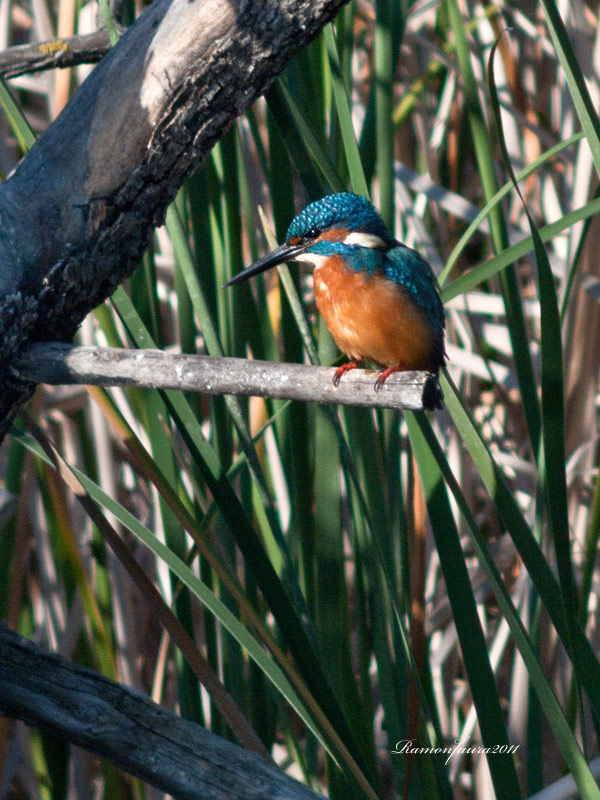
(364, 239)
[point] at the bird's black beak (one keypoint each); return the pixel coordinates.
(285, 252)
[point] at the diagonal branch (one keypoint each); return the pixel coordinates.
(128, 729)
(79, 210)
(57, 363)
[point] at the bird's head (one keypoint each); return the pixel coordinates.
(341, 224)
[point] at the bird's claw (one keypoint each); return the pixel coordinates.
(385, 374)
(342, 369)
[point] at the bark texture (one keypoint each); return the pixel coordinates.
(78, 212)
(128, 729)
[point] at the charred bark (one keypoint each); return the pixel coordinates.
(129, 730)
(79, 210)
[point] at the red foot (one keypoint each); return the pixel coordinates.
(385, 374)
(342, 369)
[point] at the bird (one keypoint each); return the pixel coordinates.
(380, 299)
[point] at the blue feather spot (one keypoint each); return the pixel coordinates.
(343, 210)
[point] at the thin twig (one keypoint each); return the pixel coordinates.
(57, 363)
(66, 52)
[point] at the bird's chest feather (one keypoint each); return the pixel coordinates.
(372, 318)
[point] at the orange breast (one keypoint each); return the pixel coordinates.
(372, 318)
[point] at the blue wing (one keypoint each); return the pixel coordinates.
(408, 269)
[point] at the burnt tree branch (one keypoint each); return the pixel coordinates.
(126, 728)
(79, 210)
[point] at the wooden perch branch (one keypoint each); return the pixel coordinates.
(57, 363)
(79, 210)
(128, 729)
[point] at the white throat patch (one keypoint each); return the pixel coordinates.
(312, 259)
(364, 240)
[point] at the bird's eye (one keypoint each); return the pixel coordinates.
(311, 234)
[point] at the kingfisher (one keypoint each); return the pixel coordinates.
(379, 298)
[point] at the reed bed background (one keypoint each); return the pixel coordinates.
(289, 539)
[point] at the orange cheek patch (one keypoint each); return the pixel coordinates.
(334, 235)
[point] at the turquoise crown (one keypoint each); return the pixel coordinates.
(342, 210)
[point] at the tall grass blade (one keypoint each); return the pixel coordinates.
(548, 700)
(552, 460)
(464, 610)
